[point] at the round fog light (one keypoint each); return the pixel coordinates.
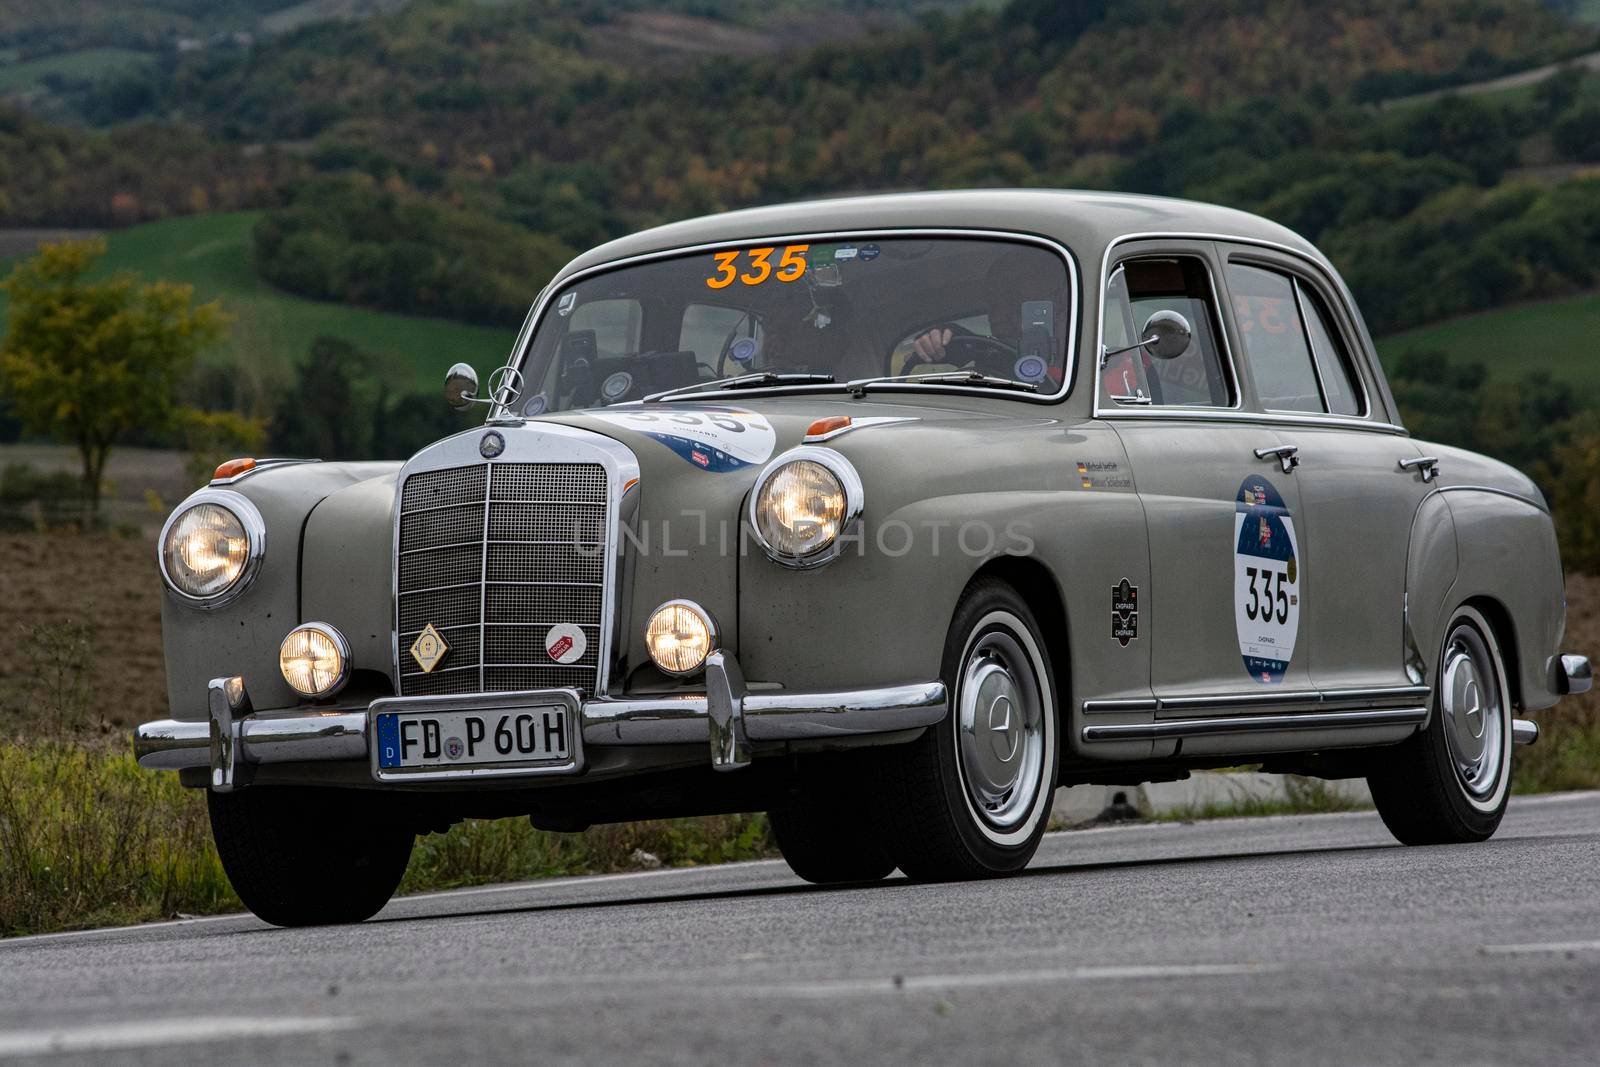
(680, 636)
(315, 660)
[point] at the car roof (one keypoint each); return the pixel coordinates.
(1083, 221)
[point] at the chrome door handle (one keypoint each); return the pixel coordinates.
(1288, 456)
(1427, 466)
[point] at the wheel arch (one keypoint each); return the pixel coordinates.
(1039, 588)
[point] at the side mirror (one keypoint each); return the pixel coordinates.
(461, 387)
(1166, 335)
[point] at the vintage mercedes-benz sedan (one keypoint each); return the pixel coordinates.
(901, 510)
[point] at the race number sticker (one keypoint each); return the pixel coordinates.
(1267, 579)
(713, 439)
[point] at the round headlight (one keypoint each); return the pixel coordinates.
(315, 660)
(802, 503)
(680, 635)
(210, 547)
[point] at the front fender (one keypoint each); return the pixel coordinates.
(242, 637)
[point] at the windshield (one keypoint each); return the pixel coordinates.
(848, 310)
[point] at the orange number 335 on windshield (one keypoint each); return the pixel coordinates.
(758, 266)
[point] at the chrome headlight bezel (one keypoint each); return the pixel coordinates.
(255, 531)
(341, 648)
(854, 504)
(713, 636)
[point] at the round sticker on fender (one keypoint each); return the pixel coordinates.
(1267, 578)
(565, 643)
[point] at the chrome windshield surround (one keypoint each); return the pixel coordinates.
(1370, 421)
(542, 442)
(855, 502)
(1070, 365)
(255, 531)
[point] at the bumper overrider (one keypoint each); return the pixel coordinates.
(726, 717)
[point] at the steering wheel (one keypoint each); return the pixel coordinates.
(989, 355)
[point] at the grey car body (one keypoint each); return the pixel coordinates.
(1118, 519)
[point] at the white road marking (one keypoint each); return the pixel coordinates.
(923, 982)
(1545, 946)
(112, 1037)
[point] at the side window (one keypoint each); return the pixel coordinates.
(1196, 378)
(1339, 381)
(1275, 344)
(1294, 356)
(616, 325)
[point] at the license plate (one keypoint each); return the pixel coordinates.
(444, 741)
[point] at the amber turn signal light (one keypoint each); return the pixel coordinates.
(233, 468)
(827, 425)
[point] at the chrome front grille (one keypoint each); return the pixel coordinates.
(493, 556)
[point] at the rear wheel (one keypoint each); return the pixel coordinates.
(1449, 783)
(971, 797)
(825, 831)
(309, 857)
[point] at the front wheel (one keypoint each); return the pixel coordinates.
(824, 831)
(1450, 782)
(971, 797)
(309, 857)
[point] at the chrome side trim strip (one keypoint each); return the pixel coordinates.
(1248, 724)
(1393, 692)
(1235, 700)
(1132, 704)
(1228, 701)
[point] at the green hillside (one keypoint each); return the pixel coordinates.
(272, 330)
(1559, 336)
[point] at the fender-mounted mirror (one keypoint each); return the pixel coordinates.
(461, 387)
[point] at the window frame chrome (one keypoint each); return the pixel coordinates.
(1371, 422)
(255, 532)
(1219, 324)
(525, 338)
(855, 503)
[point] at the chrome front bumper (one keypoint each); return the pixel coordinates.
(727, 718)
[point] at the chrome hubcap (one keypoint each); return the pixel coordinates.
(1474, 719)
(1000, 726)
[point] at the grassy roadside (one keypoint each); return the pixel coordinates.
(89, 839)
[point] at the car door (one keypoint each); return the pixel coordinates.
(1357, 498)
(1227, 563)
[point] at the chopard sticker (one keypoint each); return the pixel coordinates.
(1266, 580)
(712, 439)
(1124, 613)
(565, 643)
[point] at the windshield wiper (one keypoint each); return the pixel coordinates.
(960, 377)
(742, 381)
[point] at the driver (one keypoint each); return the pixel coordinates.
(1001, 294)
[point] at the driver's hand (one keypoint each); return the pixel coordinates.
(929, 348)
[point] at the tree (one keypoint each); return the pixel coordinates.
(91, 362)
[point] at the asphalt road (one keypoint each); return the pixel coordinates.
(1310, 939)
